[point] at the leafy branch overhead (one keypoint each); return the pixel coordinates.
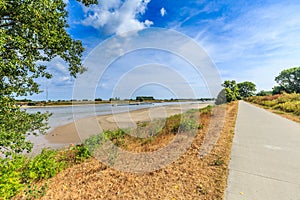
(31, 34)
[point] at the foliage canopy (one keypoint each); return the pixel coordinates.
(233, 91)
(31, 34)
(246, 89)
(289, 80)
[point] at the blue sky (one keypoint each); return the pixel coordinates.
(246, 40)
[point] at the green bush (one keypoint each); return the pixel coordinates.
(206, 110)
(81, 153)
(11, 176)
(95, 141)
(18, 173)
(188, 124)
(44, 166)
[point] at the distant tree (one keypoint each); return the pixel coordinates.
(144, 98)
(31, 33)
(114, 99)
(98, 99)
(246, 89)
(264, 93)
(289, 80)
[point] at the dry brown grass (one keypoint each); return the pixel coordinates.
(190, 177)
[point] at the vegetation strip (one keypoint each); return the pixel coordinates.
(286, 105)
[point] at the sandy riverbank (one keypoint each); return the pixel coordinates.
(77, 131)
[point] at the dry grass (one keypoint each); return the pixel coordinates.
(190, 177)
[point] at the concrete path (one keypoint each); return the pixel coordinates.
(265, 158)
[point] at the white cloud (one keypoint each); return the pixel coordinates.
(148, 23)
(256, 45)
(163, 11)
(61, 66)
(116, 16)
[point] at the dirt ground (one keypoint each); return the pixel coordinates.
(189, 177)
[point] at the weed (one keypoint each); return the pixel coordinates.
(218, 162)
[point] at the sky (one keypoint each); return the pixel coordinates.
(238, 40)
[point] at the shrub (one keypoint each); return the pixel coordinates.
(18, 171)
(188, 124)
(44, 166)
(11, 176)
(269, 103)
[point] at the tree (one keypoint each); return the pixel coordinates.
(278, 90)
(31, 34)
(289, 80)
(246, 89)
(229, 93)
(264, 93)
(231, 90)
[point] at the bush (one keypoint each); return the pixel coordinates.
(293, 107)
(188, 124)
(19, 171)
(44, 166)
(11, 176)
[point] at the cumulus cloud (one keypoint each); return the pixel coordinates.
(148, 23)
(116, 16)
(163, 11)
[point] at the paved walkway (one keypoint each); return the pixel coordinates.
(265, 158)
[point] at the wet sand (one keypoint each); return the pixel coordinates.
(81, 129)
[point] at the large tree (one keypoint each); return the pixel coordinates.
(246, 89)
(289, 80)
(31, 34)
